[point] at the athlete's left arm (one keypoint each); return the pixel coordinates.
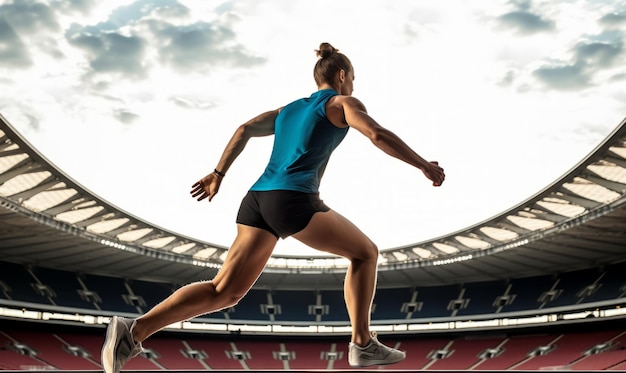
(261, 125)
(356, 116)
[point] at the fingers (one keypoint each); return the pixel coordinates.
(437, 174)
(205, 188)
(439, 179)
(196, 189)
(200, 195)
(199, 191)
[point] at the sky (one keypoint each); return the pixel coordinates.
(136, 100)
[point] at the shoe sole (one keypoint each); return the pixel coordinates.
(109, 346)
(376, 362)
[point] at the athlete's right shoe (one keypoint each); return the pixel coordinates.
(375, 353)
(119, 345)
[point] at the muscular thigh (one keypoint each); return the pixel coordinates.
(245, 260)
(331, 232)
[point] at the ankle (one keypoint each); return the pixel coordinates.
(135, 332)
(363, 341)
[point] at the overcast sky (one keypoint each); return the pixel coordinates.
(136, 100)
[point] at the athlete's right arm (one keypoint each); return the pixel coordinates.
(261, 125)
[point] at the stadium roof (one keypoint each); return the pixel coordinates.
(50, 220)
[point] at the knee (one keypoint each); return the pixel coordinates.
(368, 254)
(227, 295)
(372, 252)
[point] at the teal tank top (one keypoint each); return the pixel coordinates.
(304, 139)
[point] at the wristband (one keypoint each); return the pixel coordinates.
(219, 173)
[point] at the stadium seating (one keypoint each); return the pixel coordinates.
(115, 294)
(50, 346)
(81, 351)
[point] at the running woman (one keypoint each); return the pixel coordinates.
(285, 202)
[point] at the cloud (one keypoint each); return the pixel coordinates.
(27, 26)
(111, 52)
(192, 104)
(128, 40)
(139, 10)
(508, 79)
(590, 57)
(618, 77)
(565, 77)
(19, 112)
(13, 52)
(201, 46)
(613, 19)
(30, 17)
(521, 4)
(525, 22)
(108, 49)
(172, 11)
(599, 54)
(82, 6)
(125, 116)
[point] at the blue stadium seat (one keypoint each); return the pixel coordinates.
(65, 286)
(111, 291)
(20, 282)
(481, 296)
(388, 303)
(249, 308)
(435, 300)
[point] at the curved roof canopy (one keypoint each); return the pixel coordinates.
(589, 200)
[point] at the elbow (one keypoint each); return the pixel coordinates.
(243, 132)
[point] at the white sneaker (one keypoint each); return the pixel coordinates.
(119, 345)
(375, 353)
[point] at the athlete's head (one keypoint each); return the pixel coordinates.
(333, 67)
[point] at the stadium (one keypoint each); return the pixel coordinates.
(539, 286)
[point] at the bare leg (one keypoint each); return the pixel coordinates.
(243, 265)
(331, 232)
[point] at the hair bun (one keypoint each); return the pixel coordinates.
(325, 50)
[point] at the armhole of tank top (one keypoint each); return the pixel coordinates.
(326, 115)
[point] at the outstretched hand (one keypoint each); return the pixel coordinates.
(434, 173)
(207, 187)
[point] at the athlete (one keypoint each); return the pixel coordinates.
(285, 202)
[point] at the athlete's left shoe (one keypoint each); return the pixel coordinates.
(375, 353)
(119, 345)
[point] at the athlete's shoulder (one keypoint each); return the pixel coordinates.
(344, 102)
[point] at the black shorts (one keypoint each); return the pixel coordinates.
(280, 212)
